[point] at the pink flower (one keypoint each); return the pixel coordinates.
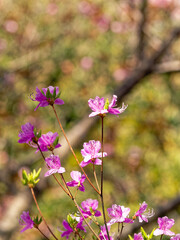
(138, 236)
(118, 214)
(164, 225)
(53, 162)
(48, 96)
(27, 133)
(100, 107)
(86, 8)
(103, 234)
(86, 63)
(11, 26)
(103, 23)
(161, 3)
(120, 74)
(70, 230)
(142, 214)
(176, 237)
(26, 221)
(52, 9)
(91, 153)
(77, 181)
(90, 206)
(48, 142)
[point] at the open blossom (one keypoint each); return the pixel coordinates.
(164, 225)
(48, 96)
(118, 214)
(53, 162)
(91, 153)
(26, 221)
(90, 208)
(70, 230)
(47, 141)
(100, 107)
(103, 234)
(138, 236)
(142, 214)
(176, 237)
(77, 181)
(27, 133)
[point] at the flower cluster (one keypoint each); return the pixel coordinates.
(92, 153)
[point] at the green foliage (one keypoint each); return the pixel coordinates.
(37, 220)
(106, 104)
(145, 235)
(30, 179)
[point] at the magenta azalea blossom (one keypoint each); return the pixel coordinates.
(118, 214)
(103, 234)
(70, 230)
(90, 208)
(142, 214)
(53, 162)
(100, 107)
(27, 133)
(48, 96)
(26, 221)
(138, 236)
(77, 181)
(46, 142)
(164, 225)
(176, 237)
(91, 153)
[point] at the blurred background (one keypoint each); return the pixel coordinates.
(88, 49)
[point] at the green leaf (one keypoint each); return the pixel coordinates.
(48, 94)
(54, 93)
(24, 175)
(151, 234)
(37, 221)
(38, 173)
(130, 237)
(57, 96)
(144, 234)
(106, 105)
(56, 141)
(39, 134)
(42, 92)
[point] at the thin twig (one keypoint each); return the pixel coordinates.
(120, 233)
(32, 191)
(53, 174)
(60, 125)
(42, 233)
(94, 171)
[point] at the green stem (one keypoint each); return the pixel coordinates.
(101, 195)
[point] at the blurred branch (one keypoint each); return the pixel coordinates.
(167, 67)
(140, 31)
(146, 68)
